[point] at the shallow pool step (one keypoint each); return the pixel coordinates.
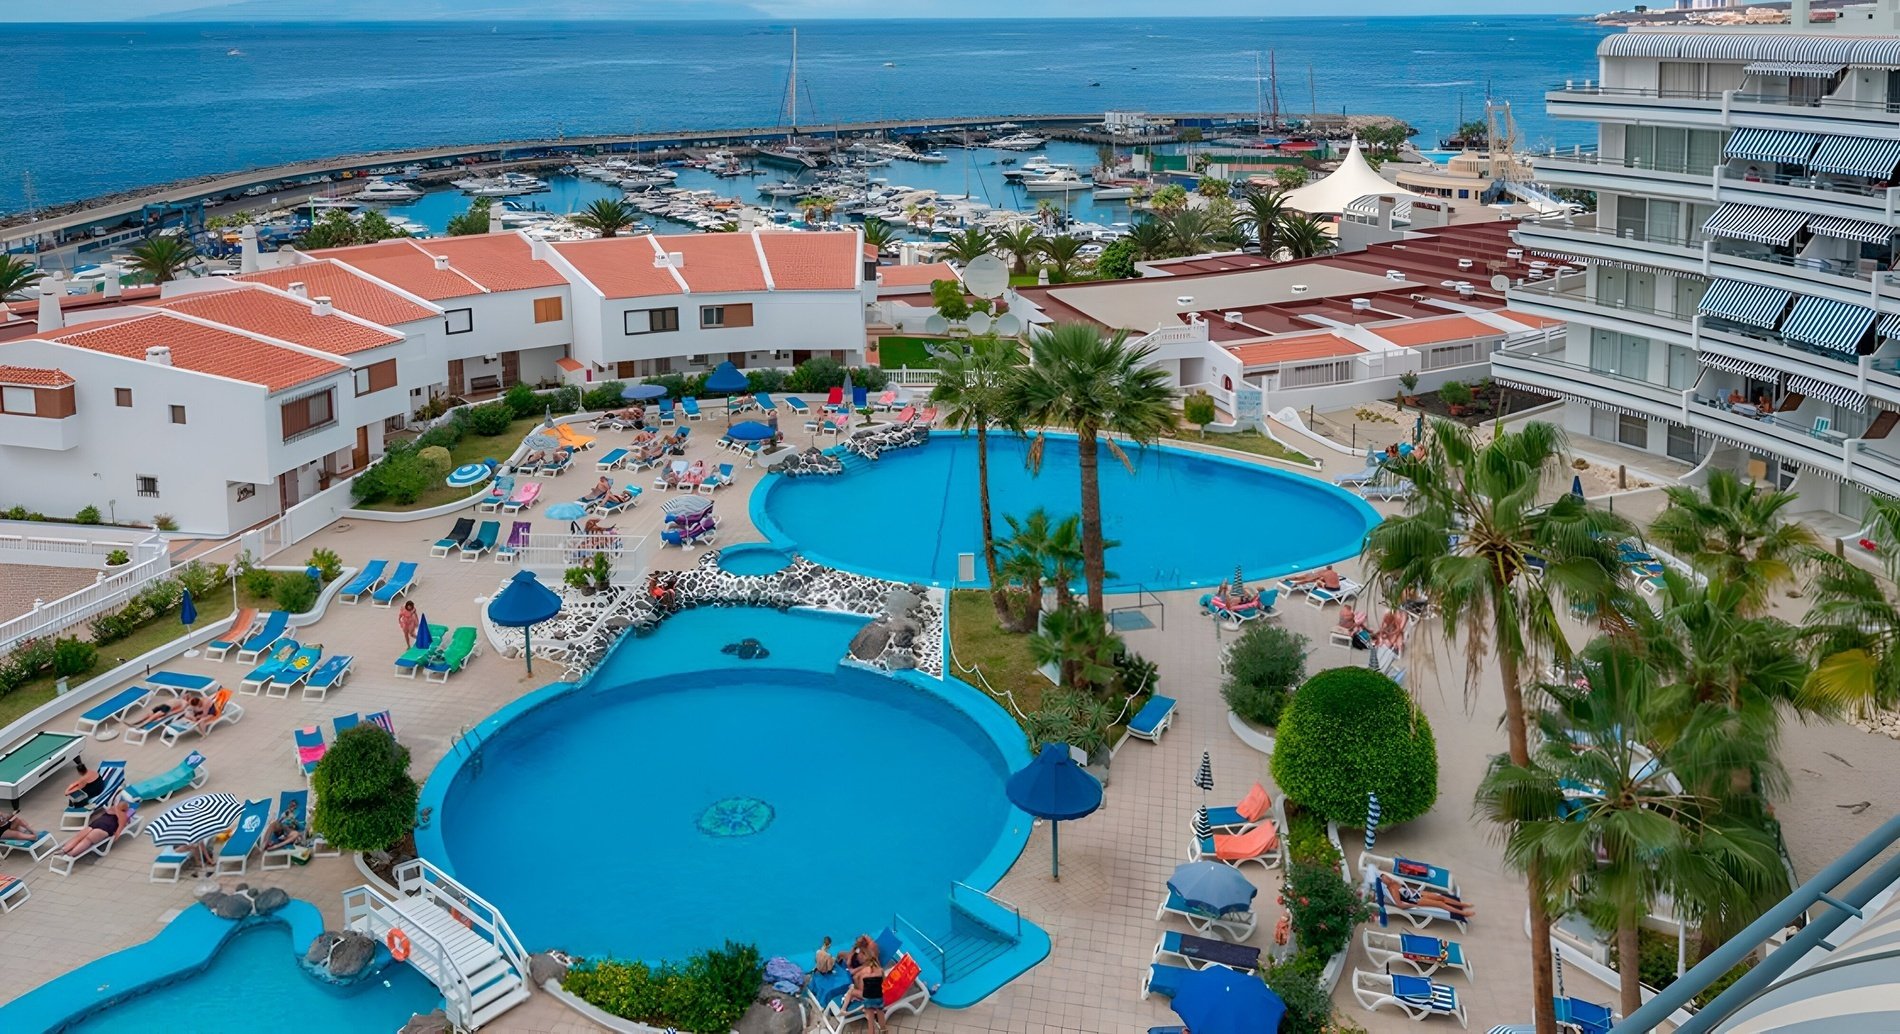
(964, 954)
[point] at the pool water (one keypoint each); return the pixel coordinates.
(686, 794)
(255, 983)
(754, 558)
(1181, 519)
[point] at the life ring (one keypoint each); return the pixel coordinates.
(398, 943)
(460, 918)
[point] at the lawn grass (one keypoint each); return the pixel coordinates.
(470, 449)
(1253, 442)
(1003, 657)
(895, 351)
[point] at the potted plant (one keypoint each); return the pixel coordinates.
(1456, 396)
(579, 578)
(118, 558)
(1408, 383)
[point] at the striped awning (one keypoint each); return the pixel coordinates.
(1843, 228)
(1741, 367)
(1580, 399)
(1889, 326)
(1856, 156)
(1757, 305)
(1828, 391)
(1771, 145)
(1770, 226)
(1794, 69)
(1828, 323)
(1860, 51)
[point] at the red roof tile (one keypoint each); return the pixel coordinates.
(286, 319)
(1414, 333)
(811, 261)
(1293, 348)
(921, 274)
(717, 263)
(35, 377)
(202, 349)
(408, 265)
(621, 267)
(497, 261)
(356, 295)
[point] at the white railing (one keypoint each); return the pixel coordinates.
(907, 377)
(368, 912)
(67, 611)
(50, 544)
(417, 878)
(549, 556)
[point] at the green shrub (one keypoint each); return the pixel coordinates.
(819, 373)
(1198, 409)
(1309, 1009)
(401, 476)
(566, 399)
(258, 582)
(447, 435)
(165, 522)
(494, 418)
(1262, 667)
(157, 597)
(1306, 839)
(366, 799)
(710, 991)
(519, 401)
(201, 578)
(87, 515)
(603, 396)
(118, 558)
(73, 657)
(294, 591)
(437, 458)
(765, 380)
(110, 628)
(1117, 260)
(327, 562)
(1350, 731)
(15, 513)
(870, 378)
(1454, 393)
(36, 655)
(1324, 908)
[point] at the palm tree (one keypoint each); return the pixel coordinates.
(1734, 531)
(1190, 231)
(1023, 244)
(1473, 538)
(1150, 238)
(1649, 809)
(162, 259)
(1304, 237)
(1029, 549)
(1062, 252)
(965, 246)
(878, 233)
(1169, 199)
(1707, 638)
(471, 222)
(1079, 644)
(606, 216)
(1854, 625)
(973, 389)
(1092, 385)
(17, 275)
(1261, 213)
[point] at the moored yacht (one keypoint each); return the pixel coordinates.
(1060, 181)
(382, 191)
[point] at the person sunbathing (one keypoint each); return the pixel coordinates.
(1353, 624)
(644, 437)
(285, 830)
(594, 527)
(1324, 578)
(199, 714)
(620, 498)
(102, 825)
(13, 827)
(1420, 897)
(90, 784)
(600, 490)
(1238, 600)
(695, 473)
(153, 715)
(1391, 632)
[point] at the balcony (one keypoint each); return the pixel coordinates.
(1706, 109)
(1553, 301)
(1775, 434)
(39, 432)
(1876, 464)
(1538, 368)
(1852, 196)
(1813, 272)
(1625, 176)
(1605, 243)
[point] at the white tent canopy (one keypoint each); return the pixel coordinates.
(1353, 180)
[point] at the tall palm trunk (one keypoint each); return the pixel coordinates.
(998, 598)
(1542, 983)
(1094, 568)
(1628, 948)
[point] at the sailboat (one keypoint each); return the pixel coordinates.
(790, 155)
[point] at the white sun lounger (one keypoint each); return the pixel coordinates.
(1418, 916)
(1417, 997)
(1318, 598)
(1232, 926)
(1422, 953)
(62, 864)
(36, 847)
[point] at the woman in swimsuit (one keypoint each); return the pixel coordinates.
(103, 825)
(867, 985)
(13, 827)
(157, 713)
(90, 784)
(1419, 897)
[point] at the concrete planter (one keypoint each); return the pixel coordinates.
(1252, 737)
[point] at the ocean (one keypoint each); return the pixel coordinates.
(103, 108)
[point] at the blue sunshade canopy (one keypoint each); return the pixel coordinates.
(469, 474)
(567, 511)
(642, 392)
(524, 602)
(1218, 1000)
(751, 431)
(1053, 786)
(726, 377)
(1212, 887)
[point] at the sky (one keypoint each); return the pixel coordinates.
(258, 10)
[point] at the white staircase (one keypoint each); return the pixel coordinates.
(456, 939)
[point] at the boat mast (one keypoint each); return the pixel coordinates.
(791, 91)
(1312, 97)
(1273, 86)
(1259, 101)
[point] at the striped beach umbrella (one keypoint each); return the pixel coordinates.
(1240, 581)
(686, 506)
(1202, 829)
(469, 475)
(1372, 819)
(194, 818)
(1204, 777)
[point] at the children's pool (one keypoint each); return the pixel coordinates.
(254, 983)
(693, 790)
(1181, 519)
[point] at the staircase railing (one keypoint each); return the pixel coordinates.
(366, 909)
(909, 931)
(418, 878)
(961, 889)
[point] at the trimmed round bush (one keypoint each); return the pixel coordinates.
(437, 458)
(1262, 668)
(366, 798)
(1350, 731)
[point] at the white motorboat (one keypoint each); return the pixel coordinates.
(1018, 142)
(382, 191)
(787, 188)
(1113, 193)
(931, 158)
(508, 184)
(1061, 181)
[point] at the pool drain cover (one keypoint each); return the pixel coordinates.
(735, 817)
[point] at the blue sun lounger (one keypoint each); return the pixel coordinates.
(187, 773)
(398, 584)
(1153, 719)
(179, 683)
(235, 857)
(1586, 1016)
(765, 402)
(273, 630)
(75, 815)
(1202, 952)
(110, 710)
(613, 459)
(797, 405)
(365, 581)
(667, 416)
(295, 670)
(1163, 979)
(36, 847)
(281, 654)
(333, 672)
(691, 406)
(281, 857)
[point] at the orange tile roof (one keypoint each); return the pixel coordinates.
(921, 274)
(621, 267)
(569, 364)
(35, 377)
(286, 319)
(409, 265)
(1527, 319)
(811, 261)
(1414, 333)
(497, 261)
(1292, 349)
(202, 349)
(718, 263)
(356, 295)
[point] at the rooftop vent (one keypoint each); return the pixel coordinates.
(1184, 300)
(297, 288)
(441, 262)
(1464, 263)
(1395, 274)
(1298, 288)
(1231, 317)
(1361, 304)
(1514, 254)
(322, 308)
(159, 354)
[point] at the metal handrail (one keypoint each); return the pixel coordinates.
(943, 960)
(1830, 435)
(1014, 912)
(1546, 360)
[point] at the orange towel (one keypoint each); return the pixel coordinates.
(1251, 844)
(1254, 806)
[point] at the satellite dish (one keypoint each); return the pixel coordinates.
(978, 322)
(936, 325)
(1500, 282)
(986, 276)
(1008, 324)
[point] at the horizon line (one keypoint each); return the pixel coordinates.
(168, 20)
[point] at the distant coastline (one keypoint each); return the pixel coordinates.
(1721, 15)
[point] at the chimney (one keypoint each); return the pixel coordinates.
(247, 249)
(539, 250)
(159, 355)
(441, 262)
(297, 288)
(1386, 204)
(322, 308)
(110, 270)
(50, 319)
(494, 217)
(1798, 14)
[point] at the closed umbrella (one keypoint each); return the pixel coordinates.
(643, 392)
(1372, 819)
(524, 604)
(469, 475)
(194, 818)
(1218, 1000)
(1054, 787)
(424, 638)
(1202, 827)
(686, 506)
(187, 611)
(1204, 776)
(1212, 887)
(1576, 486)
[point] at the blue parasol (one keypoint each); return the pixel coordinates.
(1212, 887)
(683, 505)
(1054, 787)
(423, 636)
(541, 441)
(187, 610)
(469, 475)
(1218, 1000)
(726, 378)
(567, 511)
(643, 392)
(750, 431)
(523, 604)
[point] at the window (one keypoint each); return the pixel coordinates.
(1683, 444)
(547, 310)
(19, 401)
(123, 397)
(375, 377)
(459, 321)
(308, 414)
(652, 321)
(147, 485)
(1632, 431)
(1683, 367)
(178, 414)
(713, 316)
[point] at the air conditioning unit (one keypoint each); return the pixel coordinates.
(1298, 288)
(1395, 274)
(1464, 263)
(1231, 317)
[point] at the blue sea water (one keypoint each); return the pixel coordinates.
(101, 108)
(1181, 519)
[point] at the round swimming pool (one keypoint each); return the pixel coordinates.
(724, 777)
(753, 558)
(1181, 519)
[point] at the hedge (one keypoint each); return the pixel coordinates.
(1350, 731)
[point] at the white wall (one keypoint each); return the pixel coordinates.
(783, 320)
(504, 322)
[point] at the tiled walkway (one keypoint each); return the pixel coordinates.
(1114, 863)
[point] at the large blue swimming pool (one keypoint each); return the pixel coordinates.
(685, 794)
(1181, 519)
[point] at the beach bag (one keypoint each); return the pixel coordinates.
(1409, 868)
(300, 854)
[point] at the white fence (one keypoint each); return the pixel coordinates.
(549, 556)
(905, 377)
(297, 523)
(106, 594)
